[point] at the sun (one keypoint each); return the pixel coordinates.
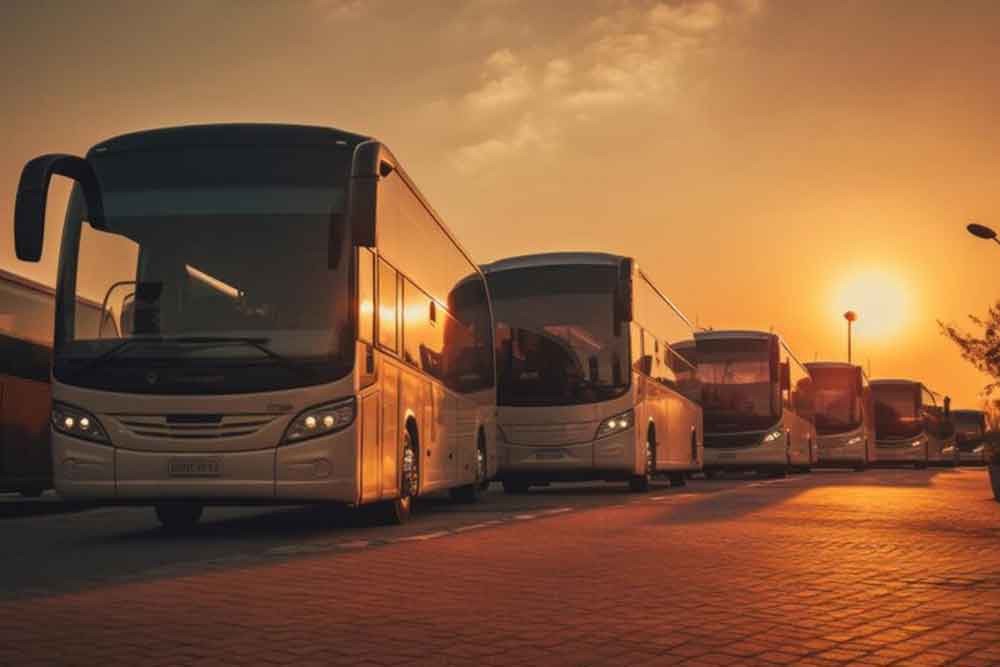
(881, 300)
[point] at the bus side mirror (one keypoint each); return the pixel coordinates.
(786, 377)
(947, 406)
(33, 194)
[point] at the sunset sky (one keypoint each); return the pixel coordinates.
(769, 163)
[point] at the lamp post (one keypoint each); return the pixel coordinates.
(983, 232)
(851, 317)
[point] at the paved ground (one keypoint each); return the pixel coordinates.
(884, 567)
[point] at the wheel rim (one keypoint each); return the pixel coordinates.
(649, 460)
(410, 476)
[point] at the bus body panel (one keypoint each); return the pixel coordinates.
(790, 440)
(844, 396)
(443, 397)
(554, 441)
(849, 448)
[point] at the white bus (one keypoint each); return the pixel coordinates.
(586, 384)
(844, 414)
(970, 429)
(297, 325)
(910, 425)
(757, 398)
(26, 322)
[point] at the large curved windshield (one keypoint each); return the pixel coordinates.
(738, 388)
(557, 340)
(837, 403)
(220, 270)
(897, 411)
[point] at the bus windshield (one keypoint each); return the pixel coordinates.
(897, 410)
(838, 406)
(235, 259)
(737, 385)
(557, 339)
(969, 427)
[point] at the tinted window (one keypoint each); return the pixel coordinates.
(388, 333)
(558, 343)
(897, 410)
(738, 390)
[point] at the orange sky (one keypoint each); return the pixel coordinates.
(754, 155)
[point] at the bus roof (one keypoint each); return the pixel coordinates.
(552, 259)
(734, 333)
(896, 381)
(231, 134)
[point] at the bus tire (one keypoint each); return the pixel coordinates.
(512, 486)
(677, 478)
(471, 493)
(640, 483)
(397, 511)
(177, 517)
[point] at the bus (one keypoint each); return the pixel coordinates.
(757, 398)
(297, 325)
(26, 323)
(587, 388)
(844, 414)
(970, 430)
(909, 423)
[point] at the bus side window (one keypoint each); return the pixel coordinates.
(366, 295)
(388, 306)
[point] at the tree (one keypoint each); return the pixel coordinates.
(980, 348)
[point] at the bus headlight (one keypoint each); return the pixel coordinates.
(775, 434)
(853, 441)
(78, 423)
(615, 424)
(321, 420)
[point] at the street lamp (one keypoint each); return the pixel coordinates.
(983, 232)
(851, 317)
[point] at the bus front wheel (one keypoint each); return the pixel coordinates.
(677, 478)
(471, 493)
(640, 483)
(179, 516)
(397, 511)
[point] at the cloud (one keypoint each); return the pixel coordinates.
(505, 82)
(634, 57)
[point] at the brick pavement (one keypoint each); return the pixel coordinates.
(888, 568)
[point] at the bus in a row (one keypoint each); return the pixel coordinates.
(295, 324)
(970, 429)
(26, 325)
(588, 373)
(912, 424)
(284, 318)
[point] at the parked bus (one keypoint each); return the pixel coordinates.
(970, 429)
(844, 414)
(297, 325)
(909, 424)
(757, 399)
(586, 383)
(26, 324)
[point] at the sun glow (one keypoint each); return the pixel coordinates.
(881, 301)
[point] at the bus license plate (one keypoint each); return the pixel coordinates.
(194, 467)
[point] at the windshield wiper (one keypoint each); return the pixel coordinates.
(258, 343)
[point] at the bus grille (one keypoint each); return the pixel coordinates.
(194, 427)
(727, 440)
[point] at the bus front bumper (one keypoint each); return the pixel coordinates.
(842, 449)
(910, 451)
(768, 455)
(610, 458)
(320, 469)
